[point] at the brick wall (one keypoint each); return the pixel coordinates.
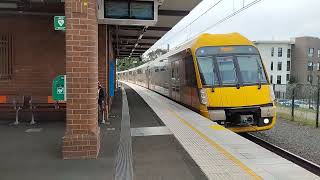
(102, 55)
(39, 55)
(82, 137)
(110, 58)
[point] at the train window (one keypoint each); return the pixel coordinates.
(156, 69)
(139, 71)
(206, 68)
(251, 69)
(172, 72)
(163, 68)
(189, 71)
(227, 70)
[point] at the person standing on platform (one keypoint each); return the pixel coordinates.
(101, 103)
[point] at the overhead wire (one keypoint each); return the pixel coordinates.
(211, 7)
(219, 22)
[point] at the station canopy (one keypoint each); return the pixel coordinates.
(127, 40)
(135, 40)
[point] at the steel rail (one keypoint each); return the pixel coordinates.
(306, 164)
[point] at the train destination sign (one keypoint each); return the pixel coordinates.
(140, 12)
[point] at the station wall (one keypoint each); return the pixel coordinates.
(39, 55)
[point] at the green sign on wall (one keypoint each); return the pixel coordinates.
(59, 23)
(59, 88)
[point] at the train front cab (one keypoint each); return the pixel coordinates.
(234, 89)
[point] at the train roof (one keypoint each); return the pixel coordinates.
(231, 39)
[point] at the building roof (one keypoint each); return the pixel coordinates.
(274, 42)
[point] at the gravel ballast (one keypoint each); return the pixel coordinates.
(300, 140)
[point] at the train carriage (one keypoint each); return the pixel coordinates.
(221, 76)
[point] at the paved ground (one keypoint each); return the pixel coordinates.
(157, 157)
(301, 140)
(140, 113)
(37, 155)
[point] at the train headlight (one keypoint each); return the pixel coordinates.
(203, 96)
(266, 120)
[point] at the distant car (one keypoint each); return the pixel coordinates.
(287, 103)
(304, 104)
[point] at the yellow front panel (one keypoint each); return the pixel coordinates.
(233, 97)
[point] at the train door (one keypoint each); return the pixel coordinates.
(173, 81)
(147, 78)
(177, 66)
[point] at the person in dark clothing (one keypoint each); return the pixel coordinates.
(101, 102)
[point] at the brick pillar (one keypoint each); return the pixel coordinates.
(102, 59)
(82, 136)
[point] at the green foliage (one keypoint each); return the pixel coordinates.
(155, 54)
(293, 80)
(128, 63)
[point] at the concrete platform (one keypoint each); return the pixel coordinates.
(220, 153)
(156, 153)
(148, 137)
(34, 152)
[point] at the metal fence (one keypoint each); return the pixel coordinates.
(298, 102)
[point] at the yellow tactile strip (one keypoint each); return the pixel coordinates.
(213, 144)
(218, 147)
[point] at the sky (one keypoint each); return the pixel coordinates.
(264, 20)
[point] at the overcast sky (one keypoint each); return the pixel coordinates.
(265, 20)
(276, 19)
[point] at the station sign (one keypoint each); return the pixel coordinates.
(59, 88)
(138, 12)
(59, 23)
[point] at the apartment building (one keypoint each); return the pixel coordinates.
(306, 60)
(276, 56)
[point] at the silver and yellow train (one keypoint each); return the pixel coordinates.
(221, 76)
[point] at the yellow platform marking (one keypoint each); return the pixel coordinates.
(217, 127)
(218, 148)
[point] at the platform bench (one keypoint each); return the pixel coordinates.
(27, 105)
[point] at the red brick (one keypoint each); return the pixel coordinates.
(70, 148)
(68, 143)
(73, 42)
(85, 117)
(80, 121)
(80, 101)
(72, 96)
(80, 131)
(84, 74)
(72, 126)
(89, 148)
(73, 116)
(93, 142)
(80, 111)
(80, 48)
(80, 58)
(81, 38)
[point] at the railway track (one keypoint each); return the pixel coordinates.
(310, 166)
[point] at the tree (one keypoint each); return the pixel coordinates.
(155, 54)
(128, 63)
(293, 80)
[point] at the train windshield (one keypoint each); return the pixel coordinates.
(230, 66)
(251, 69)
(206, 66)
